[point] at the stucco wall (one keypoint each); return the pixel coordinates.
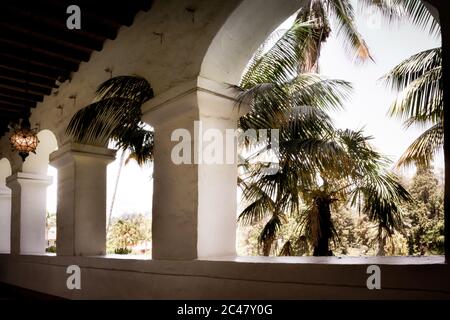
(138, 50)
(246, 278)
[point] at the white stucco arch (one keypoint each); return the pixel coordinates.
(38, 163)
(242, 33)
(246, 28)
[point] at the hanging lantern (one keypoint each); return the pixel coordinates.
(24, 139)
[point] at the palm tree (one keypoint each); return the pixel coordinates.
(418, 79)
(339, 16)
(420, 102)
(318, 165)
(326, 16)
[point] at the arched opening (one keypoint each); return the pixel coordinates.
(38, 187)
(227, 72)
(5, 207)
(129, 204)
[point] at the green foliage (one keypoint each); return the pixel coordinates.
(127, 231)
(356, 235)
(425, 216)
(345, 237)
(122, 251)
(420, 102)
(51, 249)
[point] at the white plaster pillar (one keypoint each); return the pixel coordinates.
(5, 220)
(81, 209)
(194, 205)
(28, 212)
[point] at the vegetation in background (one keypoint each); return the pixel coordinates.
(425, 216)
(128, 231)
(50, 222)
(422, 234)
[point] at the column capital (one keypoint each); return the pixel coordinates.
(69, 151)
(197, 98)
(20, 178)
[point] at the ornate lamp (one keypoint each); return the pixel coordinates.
(24, 139)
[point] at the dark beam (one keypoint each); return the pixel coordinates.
(15, 93)
(23, 82)
(17, 102)
(37, 56)
(51, 46)
(33, 67)
(13, 110)
(24, 87)
(42, 10)
(102, 12)
(44, 27)
(32, 78)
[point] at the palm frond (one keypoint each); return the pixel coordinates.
(258, 209)
(280, 63)
(424, 148)
(389, 9)
(413, 10)
(344, 17)
(422, 97)
(419, 14)
(129, 87)
(312, 46)
(413, 68)
(420, 102)
(114, 114)
(99, 121)
(269, 232)
(140, 142)
(317, 91)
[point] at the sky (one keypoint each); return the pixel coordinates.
(367, 109)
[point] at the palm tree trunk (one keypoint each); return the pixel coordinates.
(113, 200)
(321, 248)
(381, 245)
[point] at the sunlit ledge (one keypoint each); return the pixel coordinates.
(126, 256)
(397, 260)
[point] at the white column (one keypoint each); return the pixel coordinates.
(81, 209)
(5, 220)
(28, 212)
(194, 205)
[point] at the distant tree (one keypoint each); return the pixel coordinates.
(424, 216)
(127, 231)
